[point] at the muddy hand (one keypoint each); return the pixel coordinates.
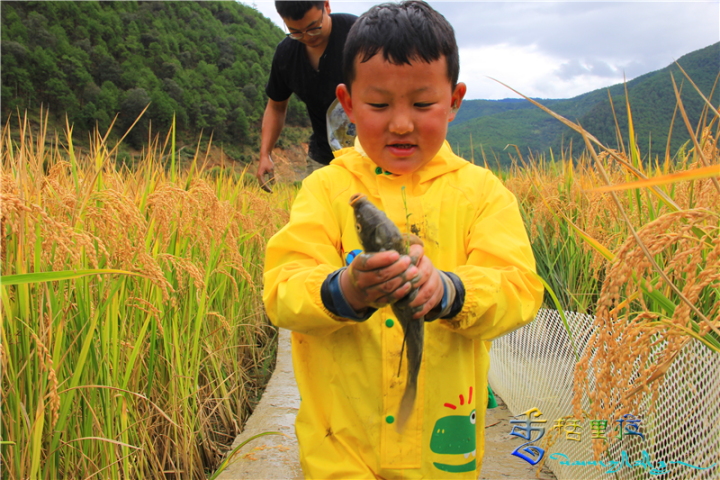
(377, 279)
(429, 285)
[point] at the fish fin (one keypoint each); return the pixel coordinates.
(406, 406)
(413, 239)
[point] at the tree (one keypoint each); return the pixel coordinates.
(161, 109)
(108, 99)
(86, 118)
(135, 101)
(240, 127)
(61, 98)
(108, 70)
(172, 88)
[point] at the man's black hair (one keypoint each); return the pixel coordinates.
(405, 31)
(295, 10)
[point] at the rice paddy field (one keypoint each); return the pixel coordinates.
(635, 242)
(134, 343)
(133, 338)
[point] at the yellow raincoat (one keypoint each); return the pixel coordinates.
(347, 371)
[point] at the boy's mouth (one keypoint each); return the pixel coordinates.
(402, 149)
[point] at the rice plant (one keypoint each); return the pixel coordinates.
(133, 339)
(636, 242)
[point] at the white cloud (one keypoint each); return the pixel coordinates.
(531, 72)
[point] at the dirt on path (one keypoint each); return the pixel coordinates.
(276, 457)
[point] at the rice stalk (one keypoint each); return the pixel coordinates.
(642, 241)
(133, 339)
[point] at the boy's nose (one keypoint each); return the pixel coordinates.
(401, 123)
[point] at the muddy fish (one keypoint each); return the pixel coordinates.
(377, 234)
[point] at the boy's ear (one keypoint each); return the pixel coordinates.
(456, 100)
(343, 95)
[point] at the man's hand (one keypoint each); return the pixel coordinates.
(266, 166)
(427, 281)
(272, 124)
(377, 279)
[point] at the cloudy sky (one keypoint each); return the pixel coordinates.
(562, 49)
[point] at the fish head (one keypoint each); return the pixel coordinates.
(376, 231)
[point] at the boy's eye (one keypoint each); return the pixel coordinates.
(424, 104)
(378, 105)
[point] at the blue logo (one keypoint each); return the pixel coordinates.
(646, 463)
(351, 256)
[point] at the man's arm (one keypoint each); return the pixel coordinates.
(272, 124)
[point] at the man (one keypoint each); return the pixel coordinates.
(308, 63)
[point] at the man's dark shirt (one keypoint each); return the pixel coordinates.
(292, 73)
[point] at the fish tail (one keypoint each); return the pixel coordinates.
(407, 405)
(402, 350)
(414, 349)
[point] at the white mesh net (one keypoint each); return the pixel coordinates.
(533, 367)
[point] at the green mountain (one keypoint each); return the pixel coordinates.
(494, 124)
(206, 61)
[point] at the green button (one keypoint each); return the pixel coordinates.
(389, 323)
(389, 419)
(378, 170)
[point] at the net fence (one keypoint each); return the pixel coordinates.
(534, 367)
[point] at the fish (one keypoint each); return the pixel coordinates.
(378, 233)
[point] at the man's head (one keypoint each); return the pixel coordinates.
(401, 67)
(307, 22)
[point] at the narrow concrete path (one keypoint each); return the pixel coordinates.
(271, 456)
(276, 457)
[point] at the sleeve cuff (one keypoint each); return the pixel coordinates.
(458, 302)
(334, 300)
(448, 299)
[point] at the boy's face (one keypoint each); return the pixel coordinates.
(401, 112)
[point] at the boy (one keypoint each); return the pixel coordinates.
(474, 274)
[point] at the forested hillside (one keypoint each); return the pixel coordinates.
(493, 125)
(652, 104)
(206, 61)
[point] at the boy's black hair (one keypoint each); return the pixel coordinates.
(405, 31)
(295, 10)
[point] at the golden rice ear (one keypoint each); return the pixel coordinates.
(356, 197)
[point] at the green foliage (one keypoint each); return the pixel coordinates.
(206, 62)
(494, 124)
(296, 113)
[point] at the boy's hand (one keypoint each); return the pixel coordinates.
(427, 281)
(377, 279)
